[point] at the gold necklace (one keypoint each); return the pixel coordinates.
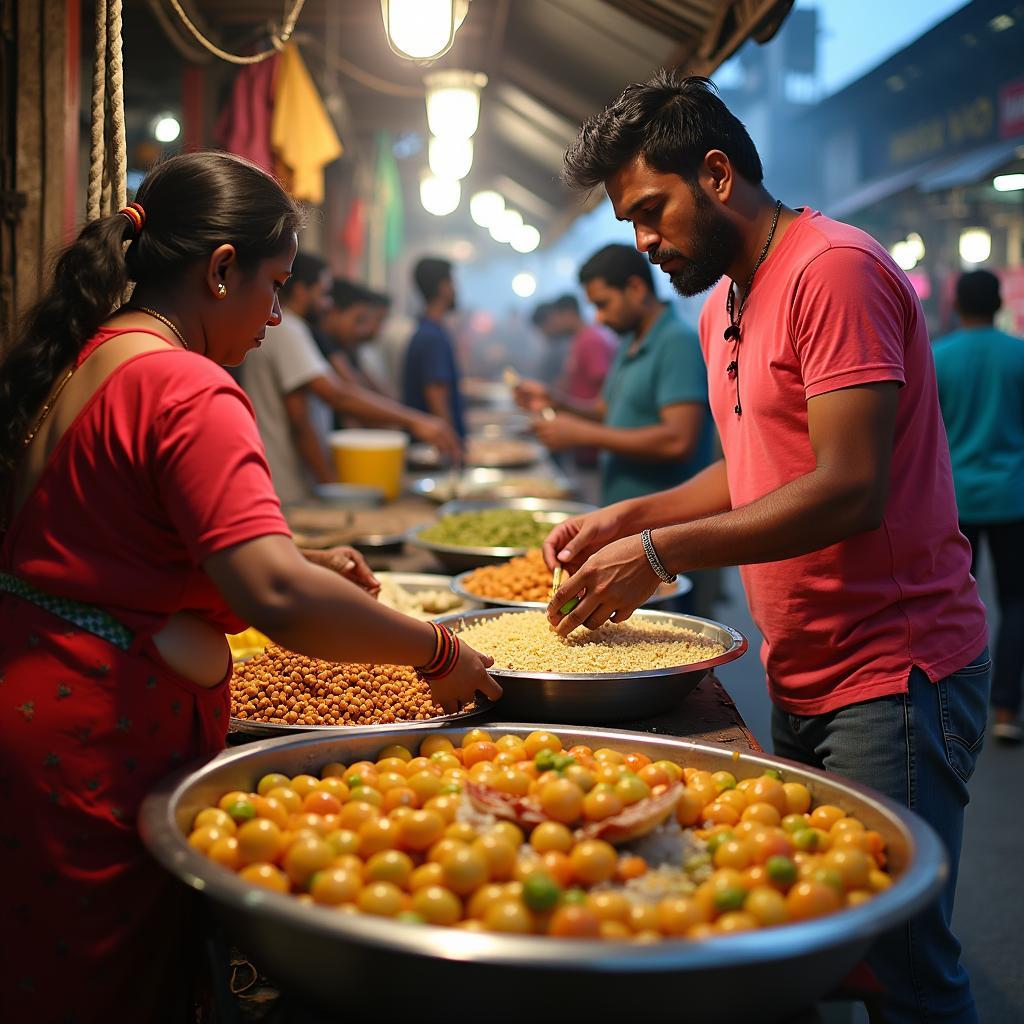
(45, 411)
(166, 321)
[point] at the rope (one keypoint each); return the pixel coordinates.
(115, 90)
(277, 39)
(96, 147)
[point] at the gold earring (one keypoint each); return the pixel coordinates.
(221, 290)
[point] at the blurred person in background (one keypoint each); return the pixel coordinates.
(590, 354)
(557, 340)
(430, 376)
(980, 372)
(651, 423)
(834, 494)
(295, 393)
(351, 321)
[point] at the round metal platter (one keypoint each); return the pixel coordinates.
(269, 729)
(665, 592)
(364, 967)
(459, 558)
(588, 698)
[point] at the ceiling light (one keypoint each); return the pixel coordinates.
(505, 227)
(166, 128)
(526, 239)
(422, 30)
(485, 207)
(450, 157)
(1008, 182)
(440, 196)
(916, 243)
(453, 102)
(524, 285)
(975, 245)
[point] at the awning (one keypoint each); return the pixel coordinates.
(966, 170)
(877, 190)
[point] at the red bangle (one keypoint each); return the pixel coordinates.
(446, 655)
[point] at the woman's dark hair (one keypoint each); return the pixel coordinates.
(977, 293)
(193, 203)
(672, 120)
(615, 264)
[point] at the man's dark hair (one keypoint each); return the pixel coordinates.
(615, 265)
(566, 304)
(672, 120)
(977, 293)
(349, 293)
(540, 314)
(306, 270)
(429, 274)
(378, 299)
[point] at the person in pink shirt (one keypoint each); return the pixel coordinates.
(591, 349)
(834, 495)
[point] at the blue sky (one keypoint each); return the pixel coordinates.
(856, 35)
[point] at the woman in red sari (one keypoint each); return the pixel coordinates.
(140, 525)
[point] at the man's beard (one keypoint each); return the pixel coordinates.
(716, 244)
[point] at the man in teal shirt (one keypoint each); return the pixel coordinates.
(980, 373)
(652, 424)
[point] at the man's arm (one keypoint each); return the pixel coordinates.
(673, 439)
(437, 396)
(851, 433)
(304, 436)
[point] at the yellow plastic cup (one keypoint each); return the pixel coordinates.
(374, 457)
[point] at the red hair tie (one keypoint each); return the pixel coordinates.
(136, 214)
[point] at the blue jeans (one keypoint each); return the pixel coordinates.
(919, 749)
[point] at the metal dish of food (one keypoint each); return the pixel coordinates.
(603, 697)
(351, 964)
(251, 727)
(458, 557)
(493, 452)
(665, 592)
(422, 595)
(481, 484)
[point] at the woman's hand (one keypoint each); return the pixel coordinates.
(462, 683)
(574, 540)
(346, 562)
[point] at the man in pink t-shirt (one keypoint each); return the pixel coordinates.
(834, 495)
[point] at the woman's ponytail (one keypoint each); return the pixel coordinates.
(89, 282)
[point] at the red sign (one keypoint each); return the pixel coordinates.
(1011, 110)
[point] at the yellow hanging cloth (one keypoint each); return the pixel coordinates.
(301, 133)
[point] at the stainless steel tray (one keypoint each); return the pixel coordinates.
(374, 968)
(665, 592)
(492, 485)
(458, 558)
(249, 727)
(426, 456)
(600, 697)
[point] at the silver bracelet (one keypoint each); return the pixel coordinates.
(652, 556)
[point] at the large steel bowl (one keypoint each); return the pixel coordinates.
(665, 592)
(603, 697)
(367, 968)
(458, 558)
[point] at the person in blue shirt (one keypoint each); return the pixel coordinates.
(652, 423)
(980, 372)
(430, 377)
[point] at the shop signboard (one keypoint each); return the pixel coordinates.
(1011, 109)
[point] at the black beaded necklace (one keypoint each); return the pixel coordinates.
(732, 332)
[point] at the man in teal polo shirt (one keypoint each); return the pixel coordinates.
(652, 424)
(980, 373)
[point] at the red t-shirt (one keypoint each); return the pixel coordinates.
(162, 468)
(829, 310)
(588, 362)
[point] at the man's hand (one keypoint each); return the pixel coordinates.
(612, 584)
(436, 431)
(346, 562)
(574, 540)
(563, 430)
(532, 395)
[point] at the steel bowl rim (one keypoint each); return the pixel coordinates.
(737, 650)
(683, 585)
(914, 889)
(254, 728)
